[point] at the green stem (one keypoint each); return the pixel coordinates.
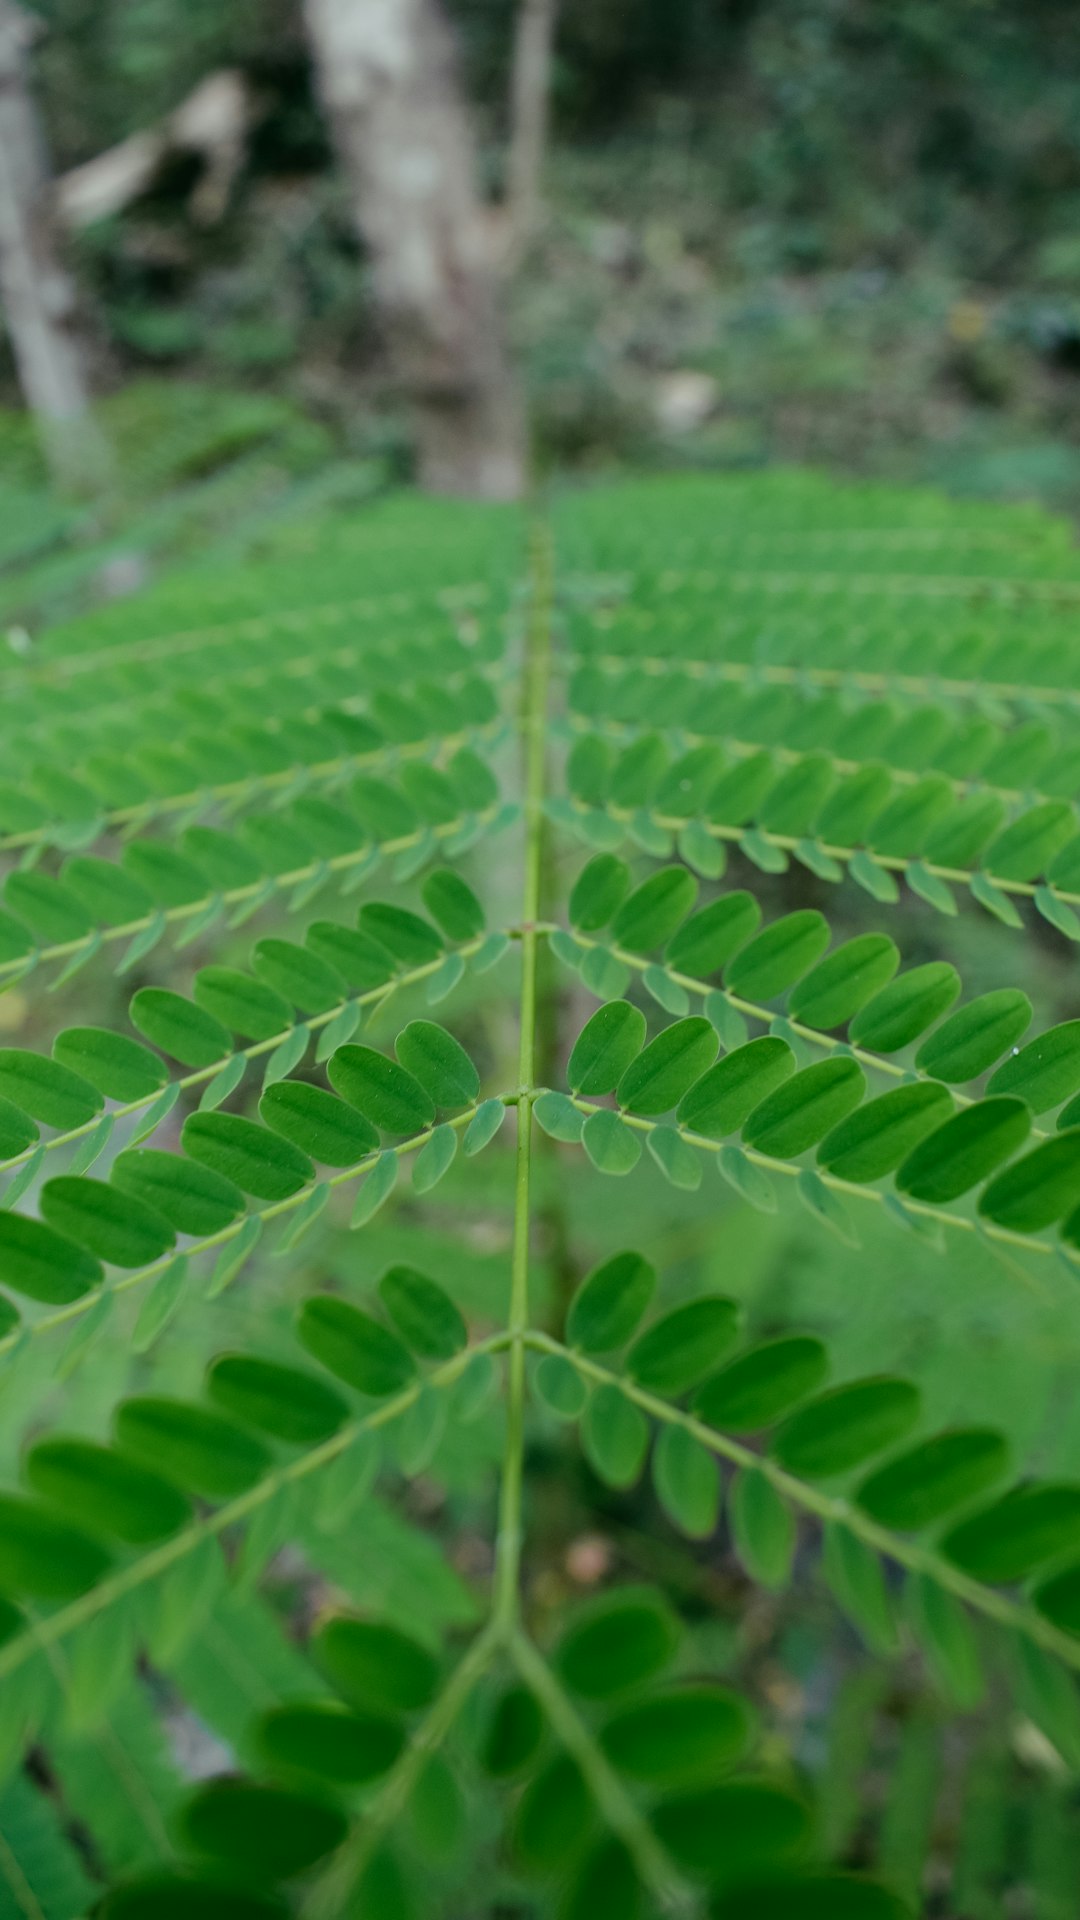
(506, 1596)
(330, 1897)
(149, 1566)
(608, 1792)
(831, 1507)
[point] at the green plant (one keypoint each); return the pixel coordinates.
(534, 749)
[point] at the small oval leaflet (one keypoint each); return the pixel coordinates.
(649, 916)
(439, 1062)
(101, 1489)
(967, 1147)
(845, 1426)
(934, 1477)
(617, 1642)
(328, 1740)
(610, 1303)
(758, 1386)
(614, 1437)
(381, 1089)
(804, 1108)
(257, 1161)
(610, 1144)
(728, 1092)
(318, 1123)
(279, 1400)
(191, 1445)
(355, 1347)
(424, 1314)
(112, 1225)
(612, 1037)
(372, 1664)
(973, 1037)
(662, 1073)
(678, 1349)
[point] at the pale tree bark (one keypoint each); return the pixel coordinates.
(388, 77)
(37, 296)
(530, 88)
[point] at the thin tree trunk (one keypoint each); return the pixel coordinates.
(389, 81)
(37, 296)
(530, 87)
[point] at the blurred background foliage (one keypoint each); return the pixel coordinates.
(822, 230)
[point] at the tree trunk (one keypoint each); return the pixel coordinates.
(37, 296)
(389, 82)
(530, 86)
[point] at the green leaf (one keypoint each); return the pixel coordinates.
(440, 1064)
(120, 1068)
(854, 1576)
(244, 1005)
(618, 1641)
(112, 1225)
(198, 1449)
(687, 1482)
(513, 1733)
(875, 880)
(376, 1189)
(684, 1733)
(758, 1386)
(224, 1082)
(999, 904)
(1037, 1189)
(931, 888)
(615, 1437)
(679, 1348)
(425, 1316)
(818, 1198)
(434, 1159)
(934, 1477)
(960, 1153)
(748, 1180)
(1046, 1692)
(287, 1055)
(452, 903)
(560, 1386)
(778, 956)
(1045, 1072)
(192, 1198)
(706, 942)
(148, 1122)
(386, 1093)
(676, 1158)
(844, 981)
(299, 975)
(412, 940)
(232, 1258)
(43, 1557)
(284, 1402)
(1057, 913)
(1017, 1534)
(649, 916)
(874, 1139)
(46, 1090)
(553, 1815)
(610, 1303)
(662, 1073)
(373, 1665)
(667, 992)
(254, 1159)
(259, 1831)
(946, 1635)
(318, 1123)
(598, 892)
(559, 1118)
(975, 1036)
(702, 851)
(358, 1349)
(1058, 1599)
(725, 1832)
(604, 974)
(329, 1741)
(160, 1304)
(805, 1108)
(729, 1091)
(605, 1047)
(179, 1028)
(483, 1127)
(762, 1528)
(845, 1426)
(610, 1144)
(1025, 848)
(104, 1491)
(90, 1149)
